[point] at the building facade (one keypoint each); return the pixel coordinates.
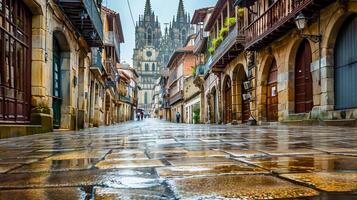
(154, 48)
(250, 70)
(55, 70)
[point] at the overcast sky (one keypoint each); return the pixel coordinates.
(165, 9)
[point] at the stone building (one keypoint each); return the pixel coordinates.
(293, 67)
(52, 70)
(153, 48)
(180, 67)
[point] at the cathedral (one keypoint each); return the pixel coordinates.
(153, 48)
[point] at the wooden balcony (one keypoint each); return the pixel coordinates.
(200, 42)
(176, 97)
(97, 62)
(229, 49)
(277, 20)
(85, 16)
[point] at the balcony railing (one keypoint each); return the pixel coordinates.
(97, 61)
(85, 16)
(126, 99)
(232, 42)
(277, 20)
(111, 39)
(200, 41)
(109, 68)
(176, 97)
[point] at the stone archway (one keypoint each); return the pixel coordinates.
(241, 107)
(265, 88)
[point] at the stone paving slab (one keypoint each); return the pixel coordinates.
(153, 193)
(107, 178)
(239, 187)
(327, 181)
(44, 194)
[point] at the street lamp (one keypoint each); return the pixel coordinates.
(301, 22)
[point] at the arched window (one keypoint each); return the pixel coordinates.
(183, 36)
(145, 98)
(149, 36)
(146, 67)
(153, 67)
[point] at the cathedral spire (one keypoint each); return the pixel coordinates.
(148, 8)
(181, 12)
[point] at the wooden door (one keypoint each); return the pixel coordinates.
(272, 93)
(57, 93)
(245, 105)
(303, 79)
(228, 101)
(346, 66)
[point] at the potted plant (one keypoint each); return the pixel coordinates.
(216, 42)
(230, 21)
(223, 32)
(211, 50)
(240, 12)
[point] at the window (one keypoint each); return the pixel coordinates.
(15, 60)
(183, 36)
(153, 67)
(149, 36)
(145, 98)
(146, 67)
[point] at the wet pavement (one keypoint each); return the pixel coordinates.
(154, 159)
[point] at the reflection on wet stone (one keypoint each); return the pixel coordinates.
(156, 160)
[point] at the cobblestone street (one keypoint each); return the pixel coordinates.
(154, 159)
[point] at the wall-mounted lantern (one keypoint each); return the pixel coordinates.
(301, 22)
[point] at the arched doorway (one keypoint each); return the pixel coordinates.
(213, 106)
(303, 79)
(241, 110)
(227, 89)
(57, 84)
(346, 66)
(272, 93)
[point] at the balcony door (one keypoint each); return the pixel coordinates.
(303, 79)
(272, 93)
(57, 85)
(346, 66)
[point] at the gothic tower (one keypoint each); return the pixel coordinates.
(146, 52)
(176, 34)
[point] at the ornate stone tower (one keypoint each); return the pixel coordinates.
(146, 52)
(153, 50)
(176, 34)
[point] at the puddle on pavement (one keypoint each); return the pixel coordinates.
(200, 161)
(240, 187)
(45, 194)
(117, 164)
(327, 181)
(57, 165)
(294, 151)
(245, 153)
(126, 156)
(78, 155)
(208, 169)
(7, 167)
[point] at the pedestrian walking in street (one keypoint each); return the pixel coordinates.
(178, 116)
(142, 115)
(138, 116)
